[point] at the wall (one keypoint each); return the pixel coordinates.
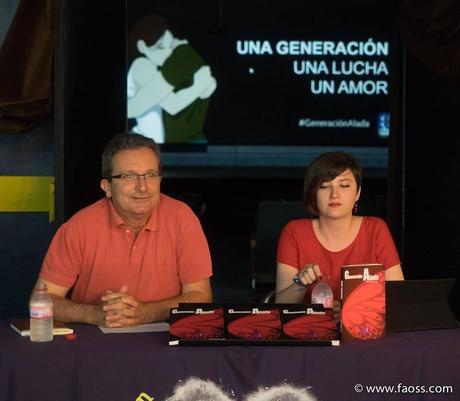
(8, 8)
(24, 237)
(432, 176)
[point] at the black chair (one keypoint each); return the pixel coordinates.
(269, 298)
(272, 216)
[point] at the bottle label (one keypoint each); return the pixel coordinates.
(41, 312)
(322, 294)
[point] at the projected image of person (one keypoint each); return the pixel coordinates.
(314, 249)
(169, 85)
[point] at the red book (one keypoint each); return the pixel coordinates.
(22, 327)
(253, 323)
(193, 323)
(363, 302)
(310, 323)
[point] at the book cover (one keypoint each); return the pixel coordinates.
(253, 323)
(22, 327)
(312, 322)
(194, 323)
(363, 301)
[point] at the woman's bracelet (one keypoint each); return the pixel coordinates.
(298, 281)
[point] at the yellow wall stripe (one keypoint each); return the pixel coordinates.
(27, 194)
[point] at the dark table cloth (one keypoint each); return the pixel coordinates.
(119, 367)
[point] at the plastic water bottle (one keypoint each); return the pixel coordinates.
(41, 315)
(322, 294)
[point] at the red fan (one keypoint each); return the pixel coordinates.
(363, 313)
(312, 327)
(261, 326)
(200, 326)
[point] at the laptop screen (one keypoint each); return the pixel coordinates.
(419, 305)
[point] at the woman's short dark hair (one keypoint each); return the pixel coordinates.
(325, 168)
(124, 141)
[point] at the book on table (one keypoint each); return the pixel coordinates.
(22, 327)
(252, 324)
(363, 301)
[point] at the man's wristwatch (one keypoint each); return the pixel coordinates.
(299, 282)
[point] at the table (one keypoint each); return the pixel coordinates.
(119, 367)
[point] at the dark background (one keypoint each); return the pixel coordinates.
(418, 192)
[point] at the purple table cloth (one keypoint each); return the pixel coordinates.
(119, 367)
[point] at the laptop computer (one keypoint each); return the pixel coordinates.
(419, 305)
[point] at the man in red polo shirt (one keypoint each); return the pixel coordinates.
(132, 255)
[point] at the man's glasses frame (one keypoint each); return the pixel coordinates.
(149, 176)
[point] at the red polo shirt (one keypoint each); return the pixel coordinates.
(93, 252)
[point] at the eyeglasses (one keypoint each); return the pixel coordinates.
(150, 176)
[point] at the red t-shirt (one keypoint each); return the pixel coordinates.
(299, 246)
(93, 252)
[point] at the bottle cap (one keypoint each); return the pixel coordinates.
(71, 336)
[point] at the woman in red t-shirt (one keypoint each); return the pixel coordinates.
(315, 249)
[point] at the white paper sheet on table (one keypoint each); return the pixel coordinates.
(142, 328)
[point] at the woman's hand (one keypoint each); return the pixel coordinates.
(310, 274)
(336, 309)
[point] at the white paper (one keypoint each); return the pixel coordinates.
(142, 328)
